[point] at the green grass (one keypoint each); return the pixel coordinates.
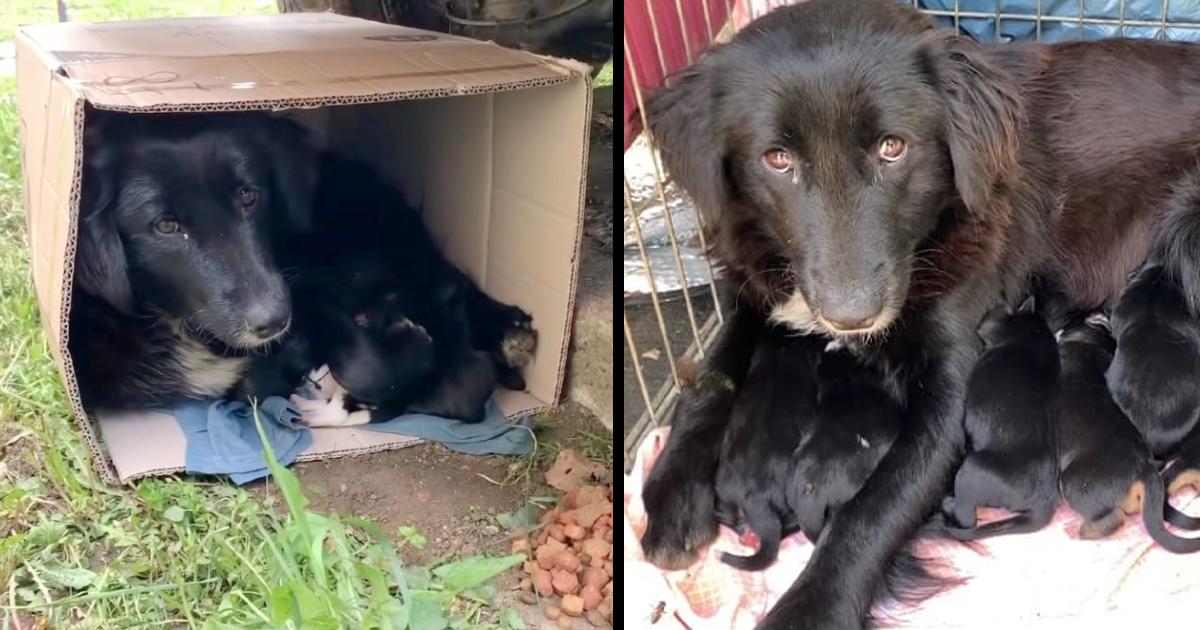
(75, 552)
(605, 77)
(15, 13)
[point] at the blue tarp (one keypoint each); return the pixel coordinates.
(1179, 18)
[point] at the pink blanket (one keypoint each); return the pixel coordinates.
(1047, 580)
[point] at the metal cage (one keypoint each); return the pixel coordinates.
(672, 311)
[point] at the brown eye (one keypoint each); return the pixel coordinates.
(779, 160)
(892, 148)
(166, 226)
(247, 196)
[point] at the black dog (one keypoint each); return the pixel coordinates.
(773, 410)
(1106, 470)
(1156, 368)
(1009, 397)
(857, 420)
(400, 328)
(864, 174)
(175, 273)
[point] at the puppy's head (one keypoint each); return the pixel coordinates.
(179, 214)
(827, 142)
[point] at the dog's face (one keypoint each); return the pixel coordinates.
(837, 137)
(180, 221)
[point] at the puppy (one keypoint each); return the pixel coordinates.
(1106, 470)
(1155, 371)
(776, 401)
(1009, 394)
(857, 420)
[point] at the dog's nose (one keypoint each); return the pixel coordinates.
(265, 320)
(850, 323)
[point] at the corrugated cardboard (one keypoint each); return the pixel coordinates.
(492, 141)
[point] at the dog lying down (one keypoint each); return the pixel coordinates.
(1111, 583)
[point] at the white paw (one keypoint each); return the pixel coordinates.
(322, 413)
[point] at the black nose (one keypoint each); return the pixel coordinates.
(267, 319)
(851, 310)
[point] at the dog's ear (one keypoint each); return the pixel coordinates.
(294, 169)
(983, 118)
(1029, 306)
(100, 265)
(680, 116)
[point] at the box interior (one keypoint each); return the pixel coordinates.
(498, 190)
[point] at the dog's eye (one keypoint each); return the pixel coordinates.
(247, 196)
(892, 149)
(779, 160)
(166, 226)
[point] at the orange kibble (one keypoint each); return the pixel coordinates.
(574, 532)
(597, 548)
(564, 582)
(572, 605)
(552, 612)
(544, 583)
(520, 545)
(595, 576)
(567, 560)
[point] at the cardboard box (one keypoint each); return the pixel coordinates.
(492, 141)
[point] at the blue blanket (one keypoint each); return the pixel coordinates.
(222, 438)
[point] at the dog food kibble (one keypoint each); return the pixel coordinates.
(528, 598)
(572, 605)
(591, 597)
(567, 560)
(565, 582)
(595, 577)
(544, 583)
(571, 557)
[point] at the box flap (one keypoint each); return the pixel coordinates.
(277, 61)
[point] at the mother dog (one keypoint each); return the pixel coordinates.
(869, 177)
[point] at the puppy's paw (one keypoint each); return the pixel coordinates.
(519, 340)
(321, 413)
(680, 514)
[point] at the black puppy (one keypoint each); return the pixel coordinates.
(773, 407)
(856, 422)
(1010, 392)
(1156, 368)
(1105, 468)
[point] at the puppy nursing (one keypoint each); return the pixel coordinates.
(798, 447)
(1009, 395)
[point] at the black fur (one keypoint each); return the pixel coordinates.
(1105, 468)
(857, 421)
(1156, 368)
(175, 272)
(1011, 463)
(773, 410)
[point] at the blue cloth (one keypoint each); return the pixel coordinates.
(492, 436)
(223, 440)
(1180, 18)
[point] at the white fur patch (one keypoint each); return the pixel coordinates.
(208, 375)
(795, 314)
(323, 413)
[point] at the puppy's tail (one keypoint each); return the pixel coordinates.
(763, 520)
(1181, 470)
(1153, 499)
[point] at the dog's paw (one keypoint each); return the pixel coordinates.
(321, 413)
(680, 515)
(519, 340)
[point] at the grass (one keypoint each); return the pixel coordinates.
(605, 77)
(14, 13)
(77, 553)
